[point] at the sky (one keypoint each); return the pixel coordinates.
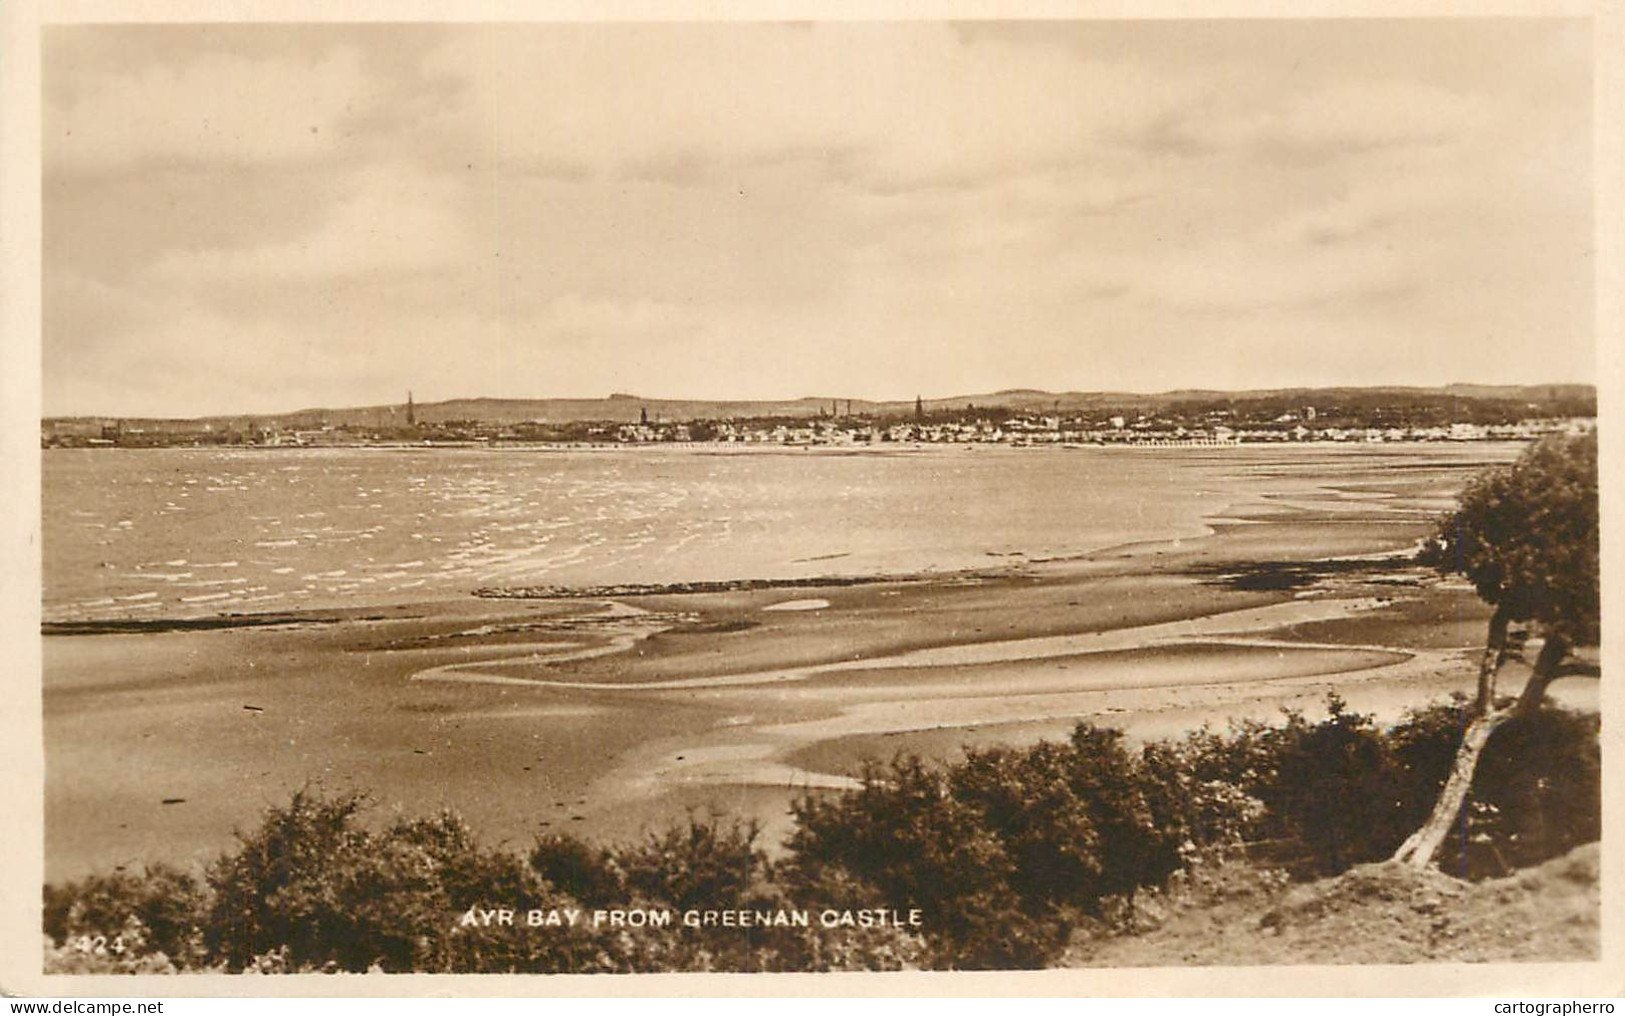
(258, 218)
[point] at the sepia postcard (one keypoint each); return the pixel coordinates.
(580, 499)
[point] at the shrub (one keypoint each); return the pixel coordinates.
(706, 863)
(701, 863)
(1544, 779)
(1343, 791)
(1073, 818)
(126, 953)
(1338, 790)
(905, 839)
(1537, 791)
(585, 873)
(1205, 814)
(1006, 853)
(1006, 850)
(334, 896)
(151, 913)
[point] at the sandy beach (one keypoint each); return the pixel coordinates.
(608, 717)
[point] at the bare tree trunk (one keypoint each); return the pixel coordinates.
(1547, 666)
(1495, 654)
(1419, 848)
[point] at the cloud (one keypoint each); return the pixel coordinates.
(882, 107)
(384, 218)
(208, 108)
(860, 208)
(1314, 124)
(1353, 119)
(636, 320)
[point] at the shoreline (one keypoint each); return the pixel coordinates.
(610, 716)
(93, 587)
(1017, 563)
(791, 447)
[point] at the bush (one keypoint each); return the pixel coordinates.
(1007, 850)
(128, 915)
(1544, 781)
(332, 896)
(1074, 818)
(1344, 791)
(1208, 814)
(1006, 853)
(1338, 790)
(1536, 794)
(586, 873)
(903, 838)
(711, 863)
(126, 953)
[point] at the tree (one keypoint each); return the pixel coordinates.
(1526, 535)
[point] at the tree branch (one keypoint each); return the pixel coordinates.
(1547, 666)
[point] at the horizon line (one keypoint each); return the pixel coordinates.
(630, 397)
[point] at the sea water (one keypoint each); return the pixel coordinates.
(199, 532)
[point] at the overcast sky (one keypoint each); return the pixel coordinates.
(261, 218)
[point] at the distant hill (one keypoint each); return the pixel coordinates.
(625, 408)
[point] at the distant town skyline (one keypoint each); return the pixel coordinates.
(580, 408)
(254, 219)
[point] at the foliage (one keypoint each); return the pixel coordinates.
(1200, 798)
(906, 839)
(1536, 794)
(1526, 536)
(586, 873)
(1337, 790)
(1346, 791)
(150, 912)
(701, 863)
(128, 952)
(1076, 818)
(336, 896)
(1006, 853)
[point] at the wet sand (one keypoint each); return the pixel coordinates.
(611, 717)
